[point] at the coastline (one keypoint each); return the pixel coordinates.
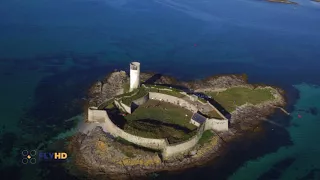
(204, 154)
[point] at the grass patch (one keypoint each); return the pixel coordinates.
(156, 119)
(237, 96)
(128, 93)
(202, 100)
(128, 100)
(206, 136)
(126, 87)
(213, 114)
(162, 111)
(123, 141)
(129, 148)
(172, 93)
(149, 130)
(106, 105)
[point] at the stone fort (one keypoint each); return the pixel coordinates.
(190, 102)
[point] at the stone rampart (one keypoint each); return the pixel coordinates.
(110, 127)
(173, 100)
(217, 124)
(141, 100)
(122, 106)
(176, 149)
(156, 144)
(126, 107)
(214, 108)
(95, 115)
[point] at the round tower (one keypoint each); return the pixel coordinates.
(134, 75)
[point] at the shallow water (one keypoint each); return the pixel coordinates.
(51, 51)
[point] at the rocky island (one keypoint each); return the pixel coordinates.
(282, 1)
(147, 123)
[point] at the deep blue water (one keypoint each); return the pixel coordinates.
(51, 51)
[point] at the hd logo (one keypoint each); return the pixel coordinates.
(31, 157)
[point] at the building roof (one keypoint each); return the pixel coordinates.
(198, 118)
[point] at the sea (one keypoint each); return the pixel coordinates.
(51, 51)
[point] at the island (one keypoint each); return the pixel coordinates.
(283, 1)
(138, 125)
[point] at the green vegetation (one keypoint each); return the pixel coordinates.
(202, 100)
(172, 93)
(128, 93)
(237, 96)
(106, 105)
(156, 119)
(206, 136)
(128, 100)
(126, 87)
(123, 141)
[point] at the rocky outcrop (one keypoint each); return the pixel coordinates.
(109, 87)
(98, 153)
(218, 82)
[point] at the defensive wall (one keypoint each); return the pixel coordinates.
(173, 100)
(110, 127)
(217, 124)
(179, 148)
(141, 100)
(122, 106)
(167, 149)
(211, 123)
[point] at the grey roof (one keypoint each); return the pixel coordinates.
(198, 118)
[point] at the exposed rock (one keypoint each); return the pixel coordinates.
(111, 86)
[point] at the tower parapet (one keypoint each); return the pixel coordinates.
(134, 75)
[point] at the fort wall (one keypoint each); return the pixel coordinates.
(180, 148)
(214, 108)
(156, 144)
(110, 127)
(168, 150)
(141, 100)
(173, 100)
(217, 124)
(122, 106)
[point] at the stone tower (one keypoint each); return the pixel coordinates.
(134, 75)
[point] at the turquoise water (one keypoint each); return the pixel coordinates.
(51, 51)
(304, 152)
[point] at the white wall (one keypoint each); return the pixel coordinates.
(114, 130)
(194, 123)
(142, 100)
(94, 115)
(126, 108)
(173, 100)
(172, 150)
(122, 106)
(217, 124)
(217, 110)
